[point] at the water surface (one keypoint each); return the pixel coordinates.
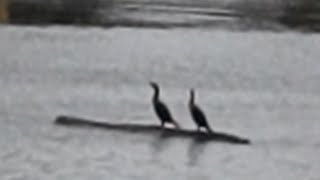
(260, 85)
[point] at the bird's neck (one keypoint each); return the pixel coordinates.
(156, 94)
(191, 101)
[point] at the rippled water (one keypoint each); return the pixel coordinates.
(260, 85)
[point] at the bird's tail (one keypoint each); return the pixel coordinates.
(209, 129)
(176, 124)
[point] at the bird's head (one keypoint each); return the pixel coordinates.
(192, 92)
(191, 96)
(154, 85)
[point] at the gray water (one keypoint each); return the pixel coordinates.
(260, 85)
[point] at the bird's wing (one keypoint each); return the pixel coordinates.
(163, 111)
(199, 116)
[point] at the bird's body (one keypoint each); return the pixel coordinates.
(161, 109)
(197, 114)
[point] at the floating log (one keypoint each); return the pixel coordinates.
(144, 128)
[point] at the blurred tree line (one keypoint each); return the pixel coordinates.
(52, 11)
(292, 13)
(302, 13)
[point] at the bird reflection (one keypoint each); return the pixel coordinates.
(160, 143)
(195, 150)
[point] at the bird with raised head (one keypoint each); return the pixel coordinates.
(197, 114)
(160, 108)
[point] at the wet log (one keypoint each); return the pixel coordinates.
(145, 128)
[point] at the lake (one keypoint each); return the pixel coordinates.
(258, 83)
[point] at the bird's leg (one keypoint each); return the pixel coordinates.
(209, 130)
(162, 124)
(198, 129)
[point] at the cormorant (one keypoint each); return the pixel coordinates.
(197, 115)
(161, 109)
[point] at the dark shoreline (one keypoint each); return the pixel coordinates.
(299, 15)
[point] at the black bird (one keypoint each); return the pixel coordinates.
(197, 115)
(161, 109)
